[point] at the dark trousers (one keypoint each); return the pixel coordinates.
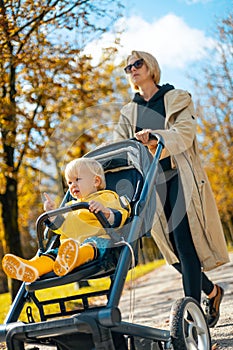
(194, 280)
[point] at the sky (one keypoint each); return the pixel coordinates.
(177, 32)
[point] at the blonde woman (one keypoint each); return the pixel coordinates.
(187, 228)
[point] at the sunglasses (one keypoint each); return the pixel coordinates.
(137, 64)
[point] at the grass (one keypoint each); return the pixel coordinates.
(71, 289)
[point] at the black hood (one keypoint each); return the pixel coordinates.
(161, 92)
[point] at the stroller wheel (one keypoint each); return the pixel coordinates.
(189, 330)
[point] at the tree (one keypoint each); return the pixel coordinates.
(41, 84)
(216, 122)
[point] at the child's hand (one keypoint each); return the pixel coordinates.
(95, 207)
(49, 203)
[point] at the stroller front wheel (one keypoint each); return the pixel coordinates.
(188, 326)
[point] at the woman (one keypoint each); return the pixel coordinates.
(187, 227)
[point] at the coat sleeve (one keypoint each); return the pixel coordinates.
(126, 125)
(122, 130)
(180, 123)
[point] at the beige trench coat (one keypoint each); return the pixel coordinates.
(180, 143)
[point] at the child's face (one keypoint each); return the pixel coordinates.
(82, 183)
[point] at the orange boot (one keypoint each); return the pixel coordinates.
(26, 270)
(71, 255)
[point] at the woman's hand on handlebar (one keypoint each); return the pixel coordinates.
(145, 137)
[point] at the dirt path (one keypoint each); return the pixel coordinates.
(155, 293)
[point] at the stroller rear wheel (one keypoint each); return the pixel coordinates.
(189, 330)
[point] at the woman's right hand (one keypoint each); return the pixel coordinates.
(49, 204)
(144, 137)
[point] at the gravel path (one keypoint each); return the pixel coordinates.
(155, 293)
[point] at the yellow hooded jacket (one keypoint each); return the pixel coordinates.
(82, 224)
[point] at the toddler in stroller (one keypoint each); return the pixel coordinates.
(86, 181)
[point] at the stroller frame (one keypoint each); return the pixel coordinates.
(102, 324)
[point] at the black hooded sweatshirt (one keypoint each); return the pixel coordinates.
(151, 115)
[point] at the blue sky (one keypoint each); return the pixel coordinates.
(177, 32)
(199, 14)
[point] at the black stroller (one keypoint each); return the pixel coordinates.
(130, 171)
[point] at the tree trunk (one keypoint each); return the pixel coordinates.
(11, 242)
(230, 227)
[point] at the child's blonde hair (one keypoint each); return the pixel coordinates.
(151, 63)
(88, 164)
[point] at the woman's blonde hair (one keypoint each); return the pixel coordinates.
(151, 63)
(88, 164)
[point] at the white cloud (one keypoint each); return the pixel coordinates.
(169, 39)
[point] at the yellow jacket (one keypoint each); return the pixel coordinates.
(82, 224)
